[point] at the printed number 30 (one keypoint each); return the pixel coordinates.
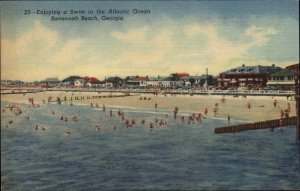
(26, 12)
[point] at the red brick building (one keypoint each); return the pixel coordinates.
(247, 76)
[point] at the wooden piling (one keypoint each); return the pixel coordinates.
(258, 125)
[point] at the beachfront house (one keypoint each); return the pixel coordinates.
(50, 82)
(80, 83)
(174, 80)
(92, 82)
(158, 82)
(282, 80)
(114, 82)
(70, 81)
(250, 77)
(136, 81)
(198, 81)
(12, 83)
(6, 82)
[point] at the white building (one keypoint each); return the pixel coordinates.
(79, 83)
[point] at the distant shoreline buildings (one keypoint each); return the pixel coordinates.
(244, 77)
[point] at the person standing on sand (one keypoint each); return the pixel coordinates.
(215, 111)
(275, 103)
(249, 105)
(155, 105)
(289, 107)
(205, 111)
(228, 118)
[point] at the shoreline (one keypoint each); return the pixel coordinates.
(261, 106)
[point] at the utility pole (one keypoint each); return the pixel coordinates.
(207, 80)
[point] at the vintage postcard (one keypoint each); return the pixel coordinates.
(150, 95)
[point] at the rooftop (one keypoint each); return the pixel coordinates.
(253, 70)
(283, 72)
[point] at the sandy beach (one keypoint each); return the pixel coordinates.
(261, 107)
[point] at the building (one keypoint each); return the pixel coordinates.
(136, 81)
(114, 82)
(247, 76)
(172, 81)
(282, 80)
(80, 83)
(70, 81)
(158, 82)
(50, 82)
(198, 81)
(12, 83)
(92, 82)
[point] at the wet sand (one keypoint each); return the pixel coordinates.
(261, 109)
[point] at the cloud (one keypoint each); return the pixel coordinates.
(222, 51)
(37, 53)
(68, 53)
(41, 51)
(133, 36)
(146, 49)
(260, 35)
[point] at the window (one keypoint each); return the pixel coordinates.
(242, 84)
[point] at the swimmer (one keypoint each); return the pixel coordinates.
(75, 118)
(151, 126)
(132, 121)
(97, 128)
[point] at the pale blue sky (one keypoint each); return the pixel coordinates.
(177, 36)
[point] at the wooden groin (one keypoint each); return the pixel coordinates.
(21, 92)
(257, 125)
(75, 98)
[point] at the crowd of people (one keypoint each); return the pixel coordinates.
(195, 117)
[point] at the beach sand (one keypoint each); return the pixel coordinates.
(262, 107)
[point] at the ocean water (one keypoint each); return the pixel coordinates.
(175, 156)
